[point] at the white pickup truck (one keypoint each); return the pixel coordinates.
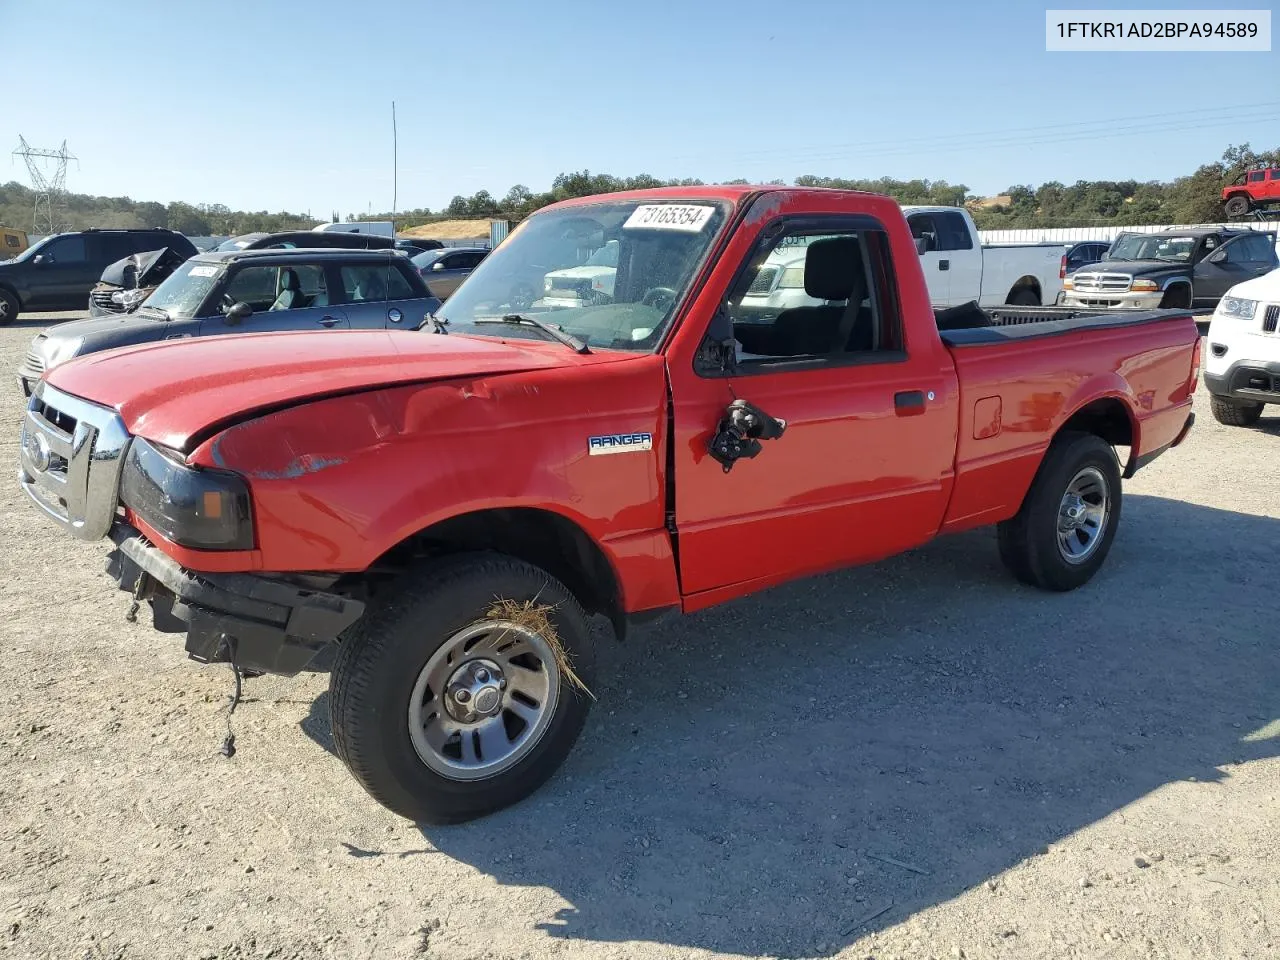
(958, 268)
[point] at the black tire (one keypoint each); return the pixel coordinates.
(1024, 298)
(1237, 206)
(1177, 297)
(9, 307)
(1029, 541)
(1235, 413)
(378, 664)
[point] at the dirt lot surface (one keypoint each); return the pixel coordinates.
(918, 759)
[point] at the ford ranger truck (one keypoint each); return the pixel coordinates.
(440, 513)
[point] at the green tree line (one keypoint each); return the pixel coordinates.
(1194, 198)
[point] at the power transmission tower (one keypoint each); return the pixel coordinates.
(49, 180)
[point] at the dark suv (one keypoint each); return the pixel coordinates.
(251, 291)
(1176, 268)
(58, 272)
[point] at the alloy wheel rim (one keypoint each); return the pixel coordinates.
(1083, 515)
(483, 700)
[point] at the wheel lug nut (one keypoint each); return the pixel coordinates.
(482, 675)
(462, 696)
(502, 684)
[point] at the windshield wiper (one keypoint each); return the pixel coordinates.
(568, 339)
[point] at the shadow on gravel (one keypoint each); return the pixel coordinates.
(767, 776)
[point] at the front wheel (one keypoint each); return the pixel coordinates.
(1237, 206)
(9, 307)
(464, 692)
(1062, 534)
(1235, 413)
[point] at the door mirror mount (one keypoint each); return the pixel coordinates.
(237, 313)
(438, 265)
(1218, 256)
(922, 245)
(39, 260)
(739, 433)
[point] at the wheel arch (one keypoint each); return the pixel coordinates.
(545, 538)
(1110, 417)
(1025, 282)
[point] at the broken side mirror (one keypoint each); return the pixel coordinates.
(238, 312)
(39, 260)
(740, 431)
(923, 244)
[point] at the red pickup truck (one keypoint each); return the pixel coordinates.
(443, 509)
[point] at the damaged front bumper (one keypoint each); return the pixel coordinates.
(260, 624)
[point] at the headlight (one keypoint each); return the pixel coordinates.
(128, 298)
(792, 278)
(1145, 286)
(1237, 308)
(56, 350)
(546, 284)
(202, 509)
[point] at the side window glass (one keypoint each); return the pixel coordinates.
(300, 286)
(397, 286)
(255, 286)
(361, 283)
(1256, 177)
(953, 232)
(1275, 174)
(814, 294)
(1258, 249)
(923, 227)
(66, 250)
(1237, 252)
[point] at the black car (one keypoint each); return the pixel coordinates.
(1172, 269)
(308, 239)
(416, 245)
(1084, 253)
(126, 283)
(58, 272)
(251, 291)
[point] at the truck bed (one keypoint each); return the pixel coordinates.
(1032, 367)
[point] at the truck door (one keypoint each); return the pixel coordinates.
(863, 467)
(936, 262)
(290, 297)
(958, 244)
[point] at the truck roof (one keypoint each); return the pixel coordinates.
(307, 253)
(731, 192)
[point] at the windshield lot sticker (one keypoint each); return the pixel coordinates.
(669, 216)
(620, 443)
(203, 271)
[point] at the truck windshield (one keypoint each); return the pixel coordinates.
(182, 293)
(1173, 249)
(652, 252)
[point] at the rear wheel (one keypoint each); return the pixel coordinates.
(1062, 534)
(1235, 413)
(1237, 206)
(9, 307)
(457, 697)
(1025, 297)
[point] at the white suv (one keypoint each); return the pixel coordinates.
(1242, 369)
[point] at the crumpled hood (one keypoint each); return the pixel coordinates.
(169, 392)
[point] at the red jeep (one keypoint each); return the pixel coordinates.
(1259, 188)
(447, 507)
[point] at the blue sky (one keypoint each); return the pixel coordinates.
(286, 104)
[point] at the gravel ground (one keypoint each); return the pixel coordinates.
(916, 759)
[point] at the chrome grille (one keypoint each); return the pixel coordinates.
(1102, 282)
(762, 283)
(102, 299)
(33, 363)
(1271, 319)
(70, 456)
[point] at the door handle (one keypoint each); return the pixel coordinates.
(944, 264)
(908, 403)
(329, 321)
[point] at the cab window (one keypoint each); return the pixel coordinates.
(816, 293)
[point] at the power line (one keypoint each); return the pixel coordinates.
(50, 188)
